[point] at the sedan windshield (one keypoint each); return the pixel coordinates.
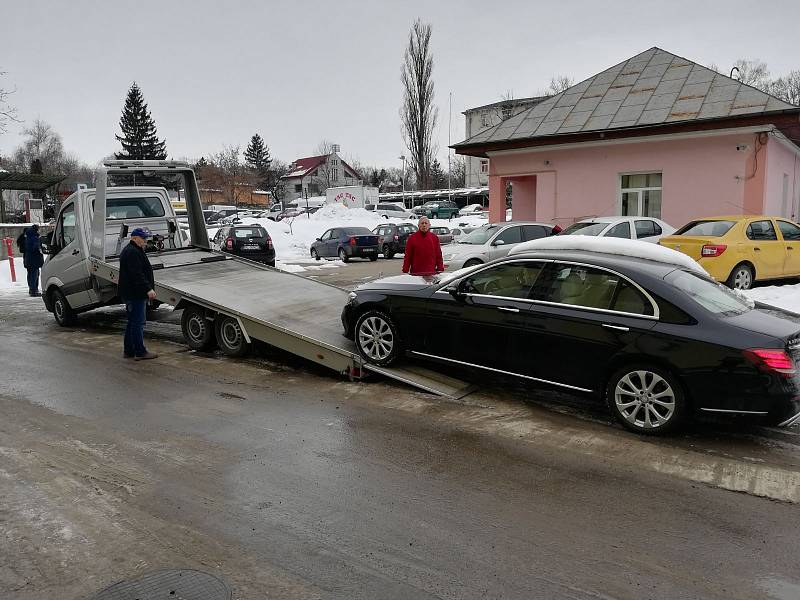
(712, 296)
(585, 229)
(479, 236)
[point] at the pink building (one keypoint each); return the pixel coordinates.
(656, 135)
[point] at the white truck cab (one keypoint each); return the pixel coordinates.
(68, 285)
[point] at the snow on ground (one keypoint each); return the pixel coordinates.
(782, 296)
(621, 246)
(5, 275)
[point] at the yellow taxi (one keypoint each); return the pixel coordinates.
(738, 250)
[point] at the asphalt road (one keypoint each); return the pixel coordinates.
(288, 482)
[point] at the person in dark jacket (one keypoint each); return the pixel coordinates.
(33, 259)
(136, 286)
(423, 255)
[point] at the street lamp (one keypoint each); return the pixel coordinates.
(403, 181)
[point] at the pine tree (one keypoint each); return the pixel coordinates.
(257, 158)
(139, 137)
(437, 177)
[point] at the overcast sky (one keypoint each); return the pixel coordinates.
(215, 73)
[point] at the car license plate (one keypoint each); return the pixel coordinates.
(250, 247)
(370, 250)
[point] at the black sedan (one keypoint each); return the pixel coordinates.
(247, 241)
(392, 237)
(658, 342)
(346, 243)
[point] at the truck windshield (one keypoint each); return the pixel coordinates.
(134, 207)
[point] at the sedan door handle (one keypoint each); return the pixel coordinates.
(508, 309)
(757, 249)
(616, 327)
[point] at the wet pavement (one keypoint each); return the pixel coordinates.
(289, 482)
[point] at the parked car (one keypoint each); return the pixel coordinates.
(646, 229)
(444, 234)
(273, 211)
(739, 250)
(659, 342)
(472, 209)
(392, 237)
(386, 210)
(346, 243)
(207, 214)
(491, 241)
(247, 241)
(437, 209)
(220, 215)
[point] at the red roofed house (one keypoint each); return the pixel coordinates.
(314, 174)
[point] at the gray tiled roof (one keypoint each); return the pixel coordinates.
(652, 88)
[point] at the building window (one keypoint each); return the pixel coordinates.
(484, 166)
(640, 195)
(506, 111)
(334, 174)
(298, 188)
(486, 120)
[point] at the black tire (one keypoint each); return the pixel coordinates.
(198, 330)
(343, 255)
(373, 258)
(472, 262)
(646, 399)
(387, 252)
(230, 337)
(376, 322)
(314, 254)
(741, 278)
(62, 311)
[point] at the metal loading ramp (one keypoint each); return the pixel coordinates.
(294, 313)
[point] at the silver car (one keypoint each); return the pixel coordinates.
(490, 241)
(647, 229)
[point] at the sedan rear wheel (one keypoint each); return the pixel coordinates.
(343, 255)
(646, 399)
(377, 339)
(741, 278)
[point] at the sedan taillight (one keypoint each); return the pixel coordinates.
(269, 243)
(556, 229)
(396, 238)
(352, 241)
(771, 360)
(712, 250)
(229, 243)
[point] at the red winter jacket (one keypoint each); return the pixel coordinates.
(423, 254)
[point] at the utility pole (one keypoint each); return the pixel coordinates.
(403, 179)
(449, 127)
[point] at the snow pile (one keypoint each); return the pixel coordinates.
(786, 297)
(621, 246)
(5, 274)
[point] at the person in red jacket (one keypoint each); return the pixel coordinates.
(423, 254)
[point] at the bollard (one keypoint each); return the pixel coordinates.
(8, 242)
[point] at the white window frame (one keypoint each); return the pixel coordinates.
(621, 190)
(484, 166)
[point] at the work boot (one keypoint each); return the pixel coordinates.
(147, 356)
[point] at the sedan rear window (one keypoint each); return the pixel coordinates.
(356, 231)
(585, 229)
(712, 296)
(706, 228)
(248, 232)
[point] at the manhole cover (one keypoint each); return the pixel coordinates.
(171, 584)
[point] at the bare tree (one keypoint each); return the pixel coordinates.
(325, 174)
(559, 83)
(753, 72)
(418, 113)
(230, 172)
(787, 88)
(41, 143)
(7, 112)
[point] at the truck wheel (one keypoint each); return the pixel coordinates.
(62, 311)
(230, 336)
(198, 330)
(343, 255)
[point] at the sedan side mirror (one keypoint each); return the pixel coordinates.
(454, 289)
(499, 243)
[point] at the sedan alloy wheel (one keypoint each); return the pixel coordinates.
(376, 338)
(646, 399)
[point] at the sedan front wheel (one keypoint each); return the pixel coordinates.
(377, 339)
(646, 399)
